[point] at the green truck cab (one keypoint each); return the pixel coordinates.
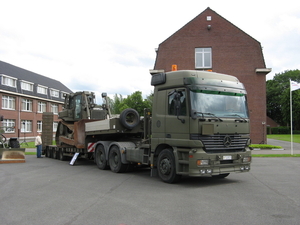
(200, 125)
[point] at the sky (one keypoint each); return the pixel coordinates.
(109, 46)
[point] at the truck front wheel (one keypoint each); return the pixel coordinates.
(100, 158)
(115, 162)
(166, 166)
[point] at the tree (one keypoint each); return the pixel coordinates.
(278, 98)
(135, 101)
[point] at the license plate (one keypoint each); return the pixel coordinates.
(227, 157)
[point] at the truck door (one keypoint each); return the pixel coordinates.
(177, 119)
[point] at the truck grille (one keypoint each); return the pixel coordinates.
(221, 143)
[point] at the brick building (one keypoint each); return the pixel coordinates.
(24, 97)
(210, 42)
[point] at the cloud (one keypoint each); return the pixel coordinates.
(109, 46)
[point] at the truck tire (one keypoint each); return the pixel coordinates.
(14, 143)
(61, 156)
(100, 158)
(115, 162)
(47, 152)
(54, 154)
(129, 118)
(166, 166)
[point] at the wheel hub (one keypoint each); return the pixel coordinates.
(165, 166)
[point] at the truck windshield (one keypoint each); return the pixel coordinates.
(221, 104)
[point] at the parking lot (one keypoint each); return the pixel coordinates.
(47, 191)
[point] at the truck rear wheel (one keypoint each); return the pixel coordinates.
(100, 158)
(166, 166)
(115, 162)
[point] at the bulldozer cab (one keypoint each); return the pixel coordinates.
(80, 105)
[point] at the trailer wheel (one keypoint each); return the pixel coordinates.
(100, 158)
(50, 153)
(61, 155)
(166, 166)
(129, 118)
(54, 154)
(47, 152)
(115, 162)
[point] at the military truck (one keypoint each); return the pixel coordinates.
(199, 126)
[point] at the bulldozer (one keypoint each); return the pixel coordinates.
(79, 108)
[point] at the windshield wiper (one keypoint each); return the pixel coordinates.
(212, 115)
(241, 118)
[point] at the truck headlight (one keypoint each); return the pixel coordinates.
(202, 162)
(247, 159)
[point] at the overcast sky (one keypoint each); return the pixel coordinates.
(109, 46)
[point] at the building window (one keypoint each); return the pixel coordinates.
(39, 126)
(26, 86)
(8, 126)
(203, 58)
(55, 126)
(27, 105)
(54, 108)
(26, 126)
(42, 90)
(42, 107)
(9, 81)
(63, 95)
(54, 93)
(8, 102)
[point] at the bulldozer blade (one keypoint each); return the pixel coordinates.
(14, 155)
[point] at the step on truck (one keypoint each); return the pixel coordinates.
(199, 126)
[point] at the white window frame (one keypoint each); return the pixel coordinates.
(42, 89)
(8, 125)
(55, 124)
(63, 94)
(203, 58)
(39, 126)
(54, 108)
(26, 126)
(25, 85)
(54, 93)
(9, 81)
(42, 107)
(26, 105)
(8, 102)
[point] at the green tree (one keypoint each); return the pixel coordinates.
(135, 101)
(278, 98)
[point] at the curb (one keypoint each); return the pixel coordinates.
(274, 149)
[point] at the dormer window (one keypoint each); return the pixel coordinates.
(54, 93)
(25, 85)
(9, 81)
(42, 90)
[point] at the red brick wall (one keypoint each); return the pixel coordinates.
(19, 115)
(233, 52)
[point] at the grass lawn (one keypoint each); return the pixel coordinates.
(285, 137)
